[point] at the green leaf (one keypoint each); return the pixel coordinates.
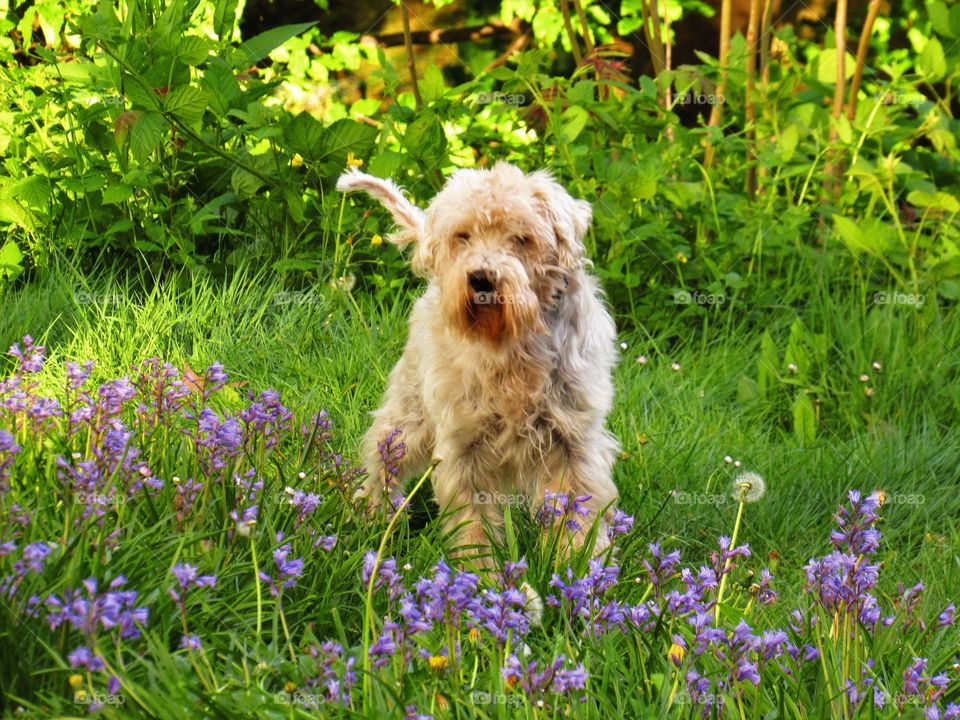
(116, 194)
(933, 62)
(13, 212)
(33, 191)
(244, 184)
(348, 136)
(940, 200)
(193, 50)
(224, 18)
(827, 66)
(574, 121)
(432, 86)
(425, 140)
(296, 264)
(221, 85)
(844, 129)
(940, 18)
(303, 135)
(187, 104)
(146, 134)
(852, 236)
(767, 365)
(804, 419)
(257, 48)
(10, 259)
(747, 390)
(787, 142)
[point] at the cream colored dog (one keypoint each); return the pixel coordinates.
(506, 375)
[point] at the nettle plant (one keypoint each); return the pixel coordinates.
(266, 590)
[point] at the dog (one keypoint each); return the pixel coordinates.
(506, 378)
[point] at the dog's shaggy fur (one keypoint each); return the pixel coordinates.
(506, 375)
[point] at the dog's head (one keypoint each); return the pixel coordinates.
(502, 245)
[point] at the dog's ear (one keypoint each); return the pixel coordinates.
(409, 217)
(570, 218)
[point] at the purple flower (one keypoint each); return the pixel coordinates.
(855, 532)
(621, 525)
(383, 649)
(90, 612)
(188, 578)
(565, 508)
(947, 617)
(288, 570)
(30, 357)
(305, 503)
(190, 642)
(83, 657)
(77, 374)
(8, 450)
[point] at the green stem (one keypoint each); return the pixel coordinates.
(727, 562)
(256, 583)
(368, 605)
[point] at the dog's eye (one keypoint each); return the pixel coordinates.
(463, 237)
(521, 240)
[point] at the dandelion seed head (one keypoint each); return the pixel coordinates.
(749, 486)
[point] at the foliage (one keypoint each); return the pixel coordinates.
(157, 134)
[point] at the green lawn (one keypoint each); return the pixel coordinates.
(324, 349)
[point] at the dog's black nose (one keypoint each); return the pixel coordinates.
(479, 282)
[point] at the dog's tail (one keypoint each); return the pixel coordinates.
(409, 217)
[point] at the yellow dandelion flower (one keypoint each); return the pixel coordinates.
(438, 663)
(441, 701)
(681, 257)
(376, 241)
(297, 160)
(474, 635)
(289, 687)
(353, 161)
(76, 680)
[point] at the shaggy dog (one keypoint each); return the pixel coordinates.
(506, 374)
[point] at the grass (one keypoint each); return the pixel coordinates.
(325, 350)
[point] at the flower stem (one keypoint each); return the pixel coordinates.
(256, 582)
(727, 562)
(368, 606)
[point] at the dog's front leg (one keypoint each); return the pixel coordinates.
(400, 419)
(457, 486)
(584, 467)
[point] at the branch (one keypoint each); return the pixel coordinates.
(473, 33)
(411, 62)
